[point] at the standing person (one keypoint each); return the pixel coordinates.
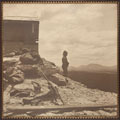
(65, 63)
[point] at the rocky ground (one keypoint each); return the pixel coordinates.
(30, 80)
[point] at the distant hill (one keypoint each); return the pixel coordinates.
(94, 68)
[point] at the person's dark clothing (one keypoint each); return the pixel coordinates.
(65, 64)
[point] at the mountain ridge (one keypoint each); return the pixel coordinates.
(94, 68)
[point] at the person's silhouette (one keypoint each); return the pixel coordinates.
(65, 63)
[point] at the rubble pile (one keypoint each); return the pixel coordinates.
(33, 81)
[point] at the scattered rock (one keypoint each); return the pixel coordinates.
(13, 75)
(26, 89)
(37, 58)
(18, 52)
(23, 90)
(25, 50)
(48, 64)
(48, 68)
(58, 79)
(103, 113)
(30, 71)
(37, 87)
(27, 59)
(47, 71)
(8, 72)
(10, 54)
(31, 67)
(5, 84)
(8, 63)
(21, 93)
(24, 86)
(6, 97)
(30, 58)
(16, 77)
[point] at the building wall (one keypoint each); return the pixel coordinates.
(20, 34)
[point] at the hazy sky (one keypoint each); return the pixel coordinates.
(87, 31)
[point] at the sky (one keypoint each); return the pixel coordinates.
(87, 31)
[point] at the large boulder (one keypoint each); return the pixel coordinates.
(25, 50)
(48, 64)
(47, 71)
(37, 57)
(58, 79)
(30, 71)
(26, 89)
(22, 90)
(18, 52)
(27, 59)
(9, 63)
(11, 54)
(48, 68)
(8, 72)
(6, 94)
(50, 94)
(30, 58)
(13, 75)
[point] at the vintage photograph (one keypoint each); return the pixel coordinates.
(60, 60)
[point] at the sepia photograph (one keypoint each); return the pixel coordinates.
(60, 60)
